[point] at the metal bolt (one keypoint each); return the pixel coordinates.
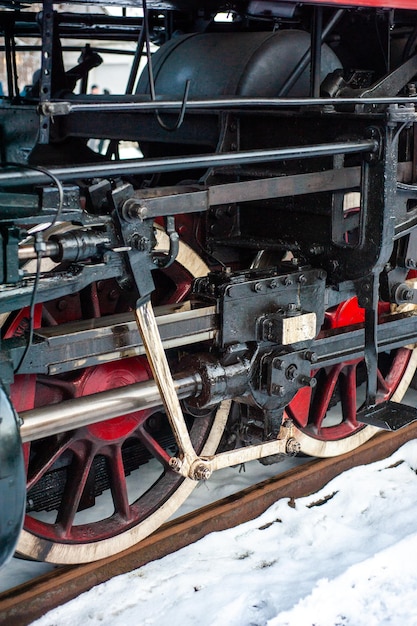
(142, 212)
(175, 463)
(138, 242)
(257, 287)
(291, 371)
(310, 356)
(292, 447)
(278, 364)
(278, 390)
(273, 284)
(286, 281)
(307, 381)
(406, 294)
(302, 279)
(132, 211)
(201, 472)
(411, 264)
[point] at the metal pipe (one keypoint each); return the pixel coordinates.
(12, 177)
(301, 66)
(27, 252)
(71, 414)
(316, 41)
(136, 61)
(135, 103)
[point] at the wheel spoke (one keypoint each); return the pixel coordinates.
(45, 460)
(348, 394)
(76, 480)
(327, 417)
(153, 446)
(324, 392)
(383, 386)
(118, 486)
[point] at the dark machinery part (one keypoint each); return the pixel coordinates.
(12, 479)
(239, 64)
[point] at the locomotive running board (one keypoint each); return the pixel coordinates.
(388, 415)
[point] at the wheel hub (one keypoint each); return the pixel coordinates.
(111, 376)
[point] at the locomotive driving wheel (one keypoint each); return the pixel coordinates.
(325, 416)
(67, 518)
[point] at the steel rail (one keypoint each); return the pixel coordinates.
(21, 605)
(11, 176)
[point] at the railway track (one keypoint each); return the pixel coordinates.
(23, 604)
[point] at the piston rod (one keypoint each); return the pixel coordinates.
(72, 414)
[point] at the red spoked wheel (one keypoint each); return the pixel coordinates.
(325, 416)
(68, 520)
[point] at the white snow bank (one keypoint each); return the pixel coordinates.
(343, 556)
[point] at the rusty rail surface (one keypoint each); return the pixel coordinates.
(23, 604)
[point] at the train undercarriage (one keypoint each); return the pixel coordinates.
(245, 289)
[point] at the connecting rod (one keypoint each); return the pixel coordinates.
(71, 414)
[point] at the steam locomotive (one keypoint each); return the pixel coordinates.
(243, 289)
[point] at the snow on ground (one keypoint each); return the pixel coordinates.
(341, 557)
(223, 483)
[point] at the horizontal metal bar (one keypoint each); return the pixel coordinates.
(38, 48)
(10, 176)
(66, 107)
(181, 327)
(59, 284)
(336, 346)
(330, 349)
(75, 345)
(71, 414)
(179, 202)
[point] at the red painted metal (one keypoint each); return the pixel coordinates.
(383, 4)
(339, 383)
(77, 450)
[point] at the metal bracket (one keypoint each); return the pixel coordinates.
(187, 463)
(46, 68)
